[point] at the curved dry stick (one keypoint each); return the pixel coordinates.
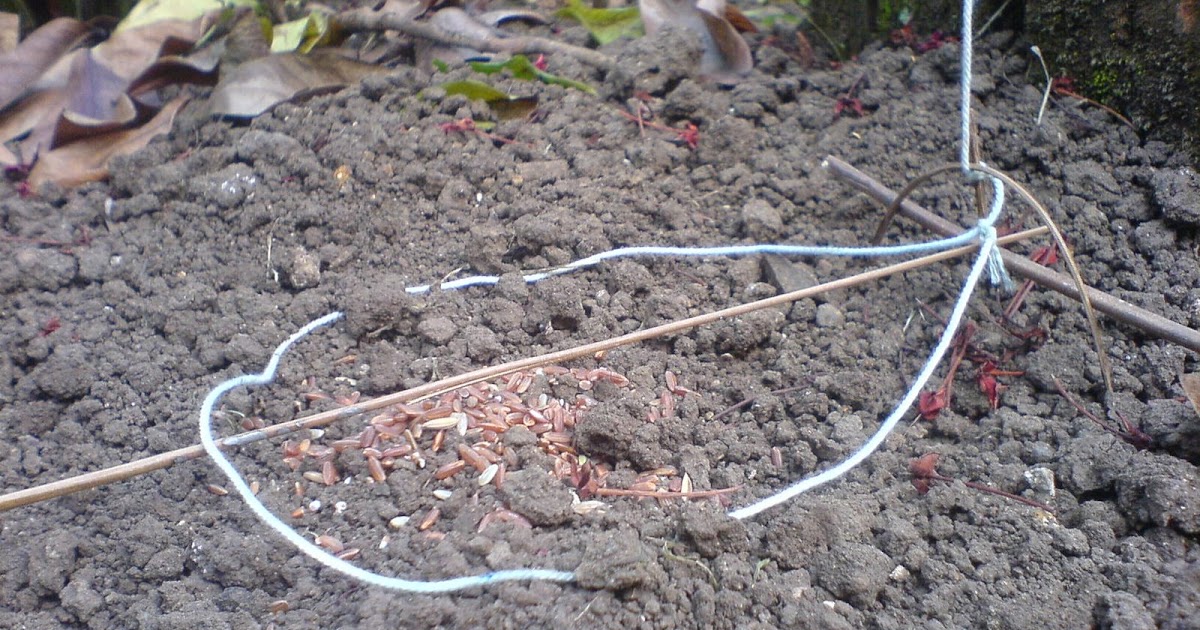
(1047, 220)
(1120, 310)
(1093, 321)
(365, 20)
(129, 470)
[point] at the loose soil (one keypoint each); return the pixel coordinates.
(210, 247)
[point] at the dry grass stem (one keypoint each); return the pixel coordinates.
(157, 462)
(1150, 323)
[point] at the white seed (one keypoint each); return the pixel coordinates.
(398, 522)
(383, 543)
(488, 474)
(451, 420)
(590, 507)
(316, 434)
(442, 494)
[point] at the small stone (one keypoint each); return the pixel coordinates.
(830, 316)
(538, 496)
(437, 329)
(1071, 542)
(617, 561)
(303, 270)
(853, 572)
(1041, 481)
(1177, 193)
(761, 220)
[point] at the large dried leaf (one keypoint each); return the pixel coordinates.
(148, 12)
(96, 94)
(726, 55)
(10, 32)
(258, 85)
(131, 51)
(26, 64)
(87, 160)
(23, 116)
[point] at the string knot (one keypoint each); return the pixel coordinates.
(997, 274)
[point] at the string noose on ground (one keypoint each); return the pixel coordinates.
(986, 260)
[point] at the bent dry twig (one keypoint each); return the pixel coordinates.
(365, 20)
(1120, 310)
(165, 460)
(1047, 220)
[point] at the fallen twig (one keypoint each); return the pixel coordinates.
(1131, 434)
(1150, 323)
(923, 473)
(165, 460)
(366, 20)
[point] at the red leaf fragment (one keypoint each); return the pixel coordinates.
(930, 404)
(52, 325)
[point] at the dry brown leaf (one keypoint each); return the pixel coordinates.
(131, 52)
(23, 116)
(30, 60)
(258, 85)
(453, 20)
(87, 160)
(96, 95)
(1191, 387)
(10, 32)
(738, 19)
(726, 55)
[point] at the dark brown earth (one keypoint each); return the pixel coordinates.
(210, 247)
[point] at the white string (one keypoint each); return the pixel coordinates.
(300, 542)
(982, 262)
(964, 107)
(988, 259)
(732, 250)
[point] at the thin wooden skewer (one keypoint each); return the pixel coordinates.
(1118, 309)
(129, 470)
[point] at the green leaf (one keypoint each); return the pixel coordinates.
(149, 11)
(440, 66)
(522, 68)
(605, 25)
(301, 35)
(504, 106)
(474, 90)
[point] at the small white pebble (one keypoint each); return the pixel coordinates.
(900, 573)
(442, 494)
(316, 434)
(315, 506)
(383, 543)
(398, 522)
(339, 507)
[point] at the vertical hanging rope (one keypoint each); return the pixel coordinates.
(964, 106)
